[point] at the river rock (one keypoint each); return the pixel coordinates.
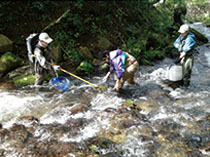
(146, 130)
(6, 45)
(19, 133)
(7, 85)
(170, 150)
(24, 80)
(23, 70)
(110, 110)
(98, 143)
(104, 67)
(29, 118)
(195, 153)
(198, 11)
(194, 141)
(86, 52)
(57, 52)
(129, 104)
(85, 68)
(79, 108)
(104, 44)
(9, 62)
(159, 95)
(148, 106)
(4, 135)
(2, 152)
(96, 62)
(200, 38)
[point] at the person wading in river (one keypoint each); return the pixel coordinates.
(185, 44)
(123, 64)
(38, 56)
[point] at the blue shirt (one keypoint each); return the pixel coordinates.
(186, 43)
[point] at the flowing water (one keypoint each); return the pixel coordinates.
(150, 119)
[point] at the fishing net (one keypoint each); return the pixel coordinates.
(60, 83)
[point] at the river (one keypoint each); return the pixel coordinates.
(147, 120)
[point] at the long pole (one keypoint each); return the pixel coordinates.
(61, 69)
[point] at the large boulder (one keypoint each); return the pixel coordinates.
(57, 52)
(200, 38)
(104, 44)
(198, 12)
(6, 44)
(86, 52)
(9, 62)
(24, 80)
(85, 68)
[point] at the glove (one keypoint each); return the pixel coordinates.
(56, 67)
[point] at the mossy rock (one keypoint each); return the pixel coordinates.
(24, 80)
(57, 52)
(85, 67)
(104, 67)
(9, 62)
(5, 44)
(104, 44)
(86, 52)
(200, 38)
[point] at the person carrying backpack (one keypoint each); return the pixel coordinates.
(185, 44)
(39, 53)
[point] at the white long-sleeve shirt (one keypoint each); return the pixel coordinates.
(39, 57)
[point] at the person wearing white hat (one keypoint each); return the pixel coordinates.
(43, 53)
(185, 44)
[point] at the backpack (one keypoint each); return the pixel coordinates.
(32, 41)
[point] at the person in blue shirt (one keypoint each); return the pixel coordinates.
(185, 44)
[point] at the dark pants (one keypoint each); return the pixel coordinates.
(40, 78)
(187, 64)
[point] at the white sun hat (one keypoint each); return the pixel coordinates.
(45, 37)
(184, 28)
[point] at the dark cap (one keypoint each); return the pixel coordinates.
(103, 54)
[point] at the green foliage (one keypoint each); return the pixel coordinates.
(37, 5)
(134, 26)
(135, 47)
(68, 45)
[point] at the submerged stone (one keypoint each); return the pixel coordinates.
(194, 141)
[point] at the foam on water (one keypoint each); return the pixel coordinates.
(89, 131)
(13, 106)
(133, 147)
(103, 101)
